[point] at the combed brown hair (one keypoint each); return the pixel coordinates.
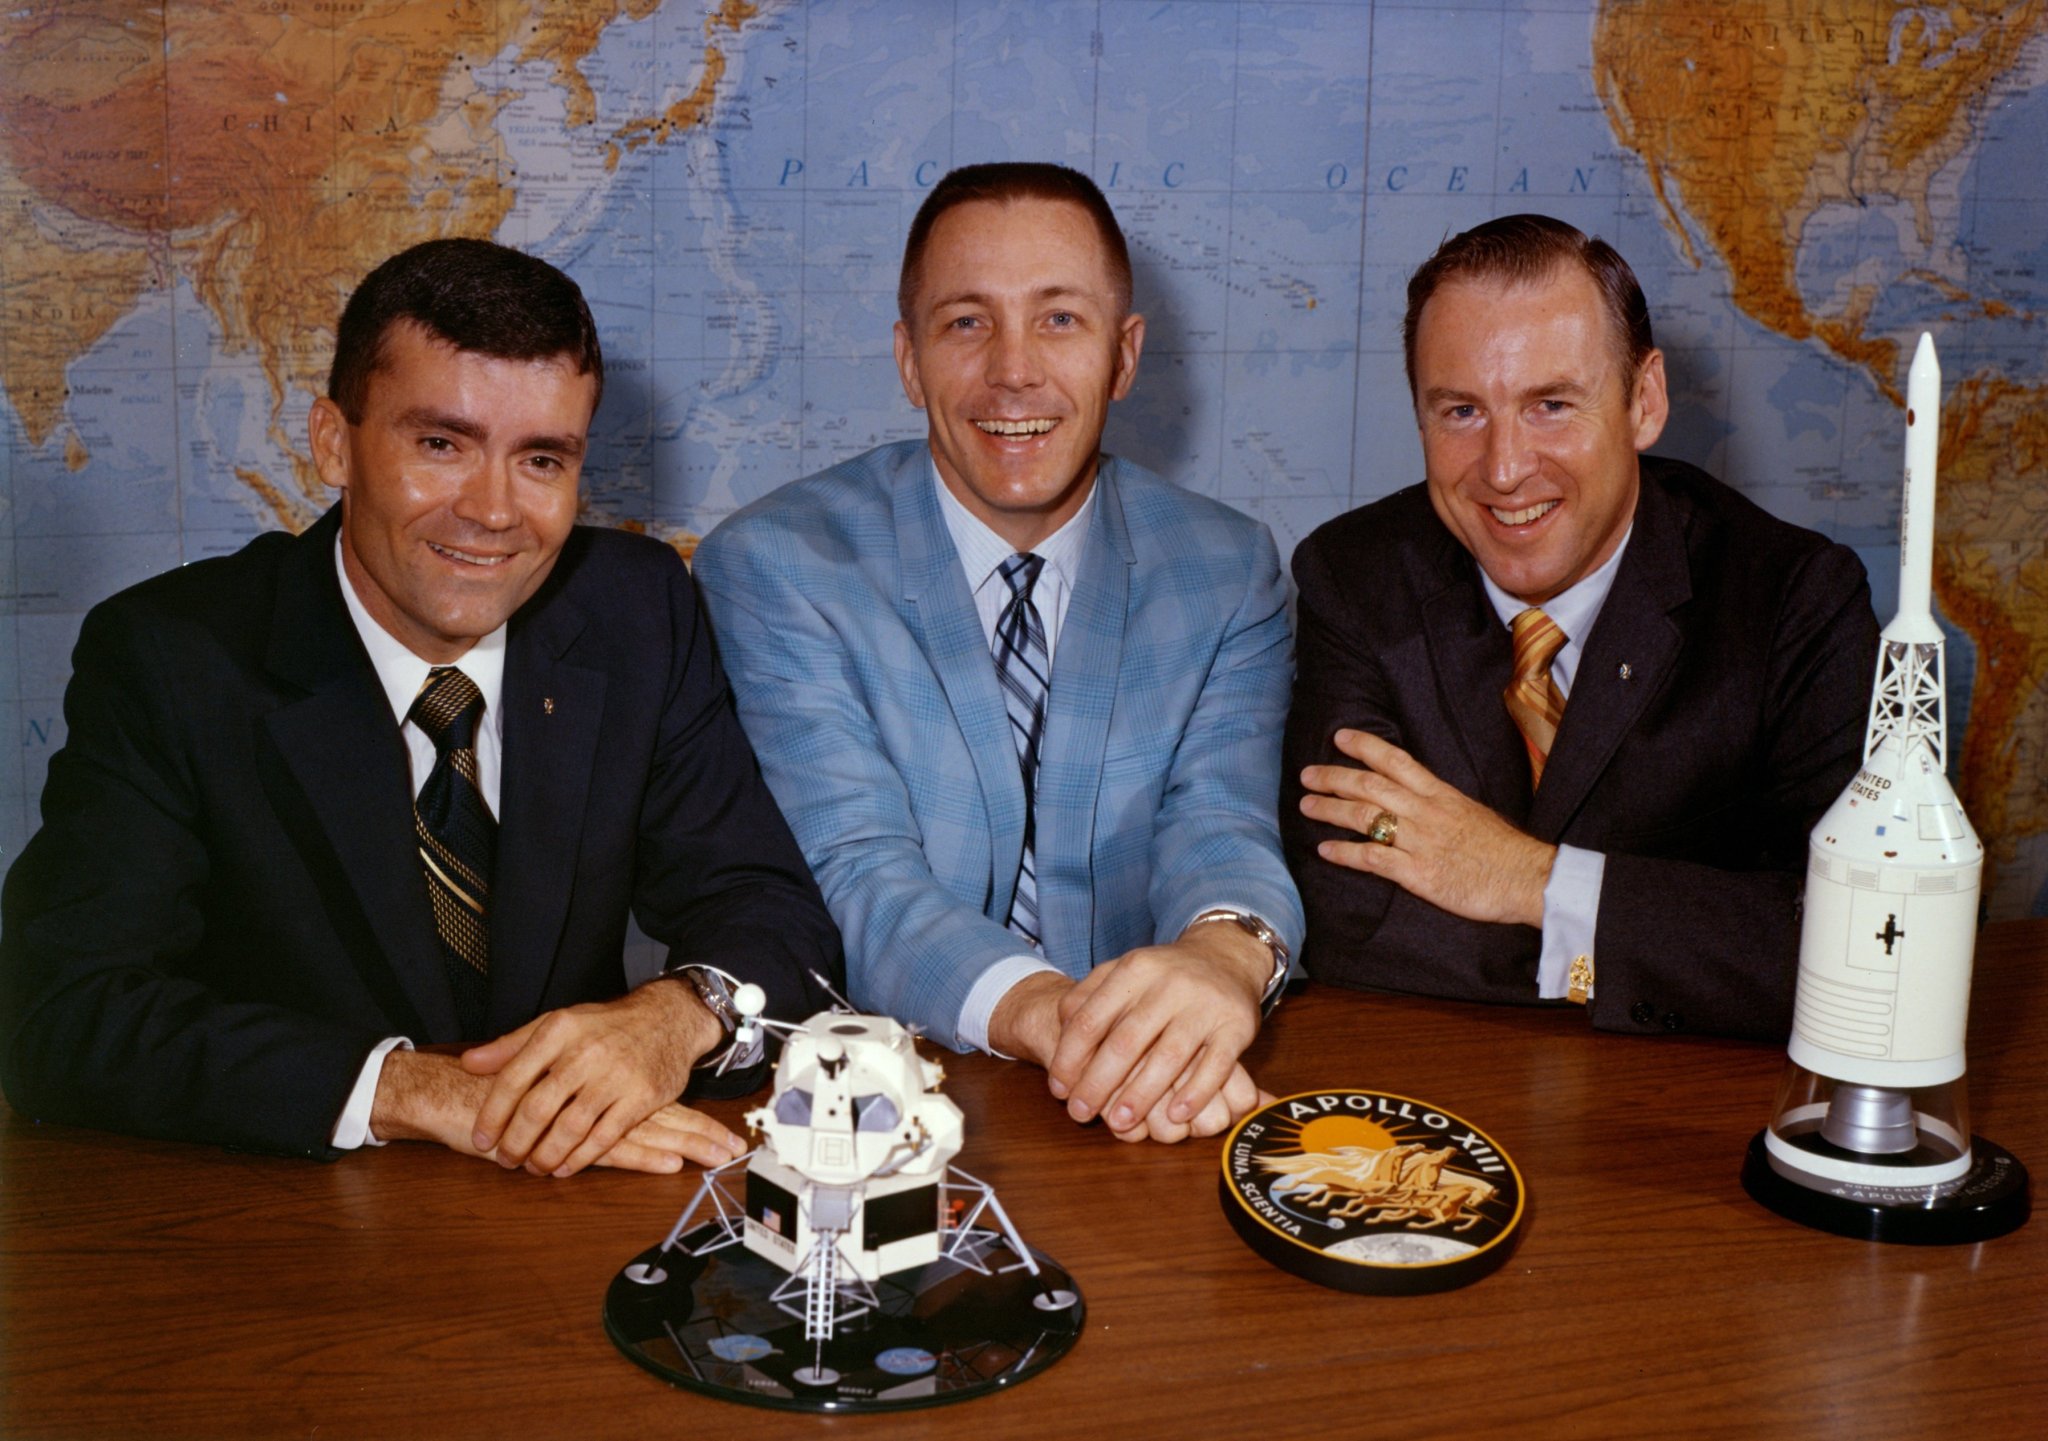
(1004, 181)
(1519, 249)
(477, 296)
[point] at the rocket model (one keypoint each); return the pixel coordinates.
(1871, 1134)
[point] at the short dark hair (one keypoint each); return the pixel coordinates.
(1004, 181)
(474, 294)
(1518, 249)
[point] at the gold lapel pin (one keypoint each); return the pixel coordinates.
(547, 702)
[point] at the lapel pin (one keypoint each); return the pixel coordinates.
(1627, 672)
(547, 702)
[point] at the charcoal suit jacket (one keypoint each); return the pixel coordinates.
(224, 910)
(1717, 710)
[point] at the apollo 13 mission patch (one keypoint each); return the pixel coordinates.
(1368, 1191)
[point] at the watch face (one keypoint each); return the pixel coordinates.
(711, 991)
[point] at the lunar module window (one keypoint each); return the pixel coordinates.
(875, 1113)
(793, 1107)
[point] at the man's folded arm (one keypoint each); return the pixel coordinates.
(1362, 929)
(719, 878)
(1214, 840)
(913, 949)
(106, 1018)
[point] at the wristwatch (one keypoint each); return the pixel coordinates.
(1258, 930)
(712, 989)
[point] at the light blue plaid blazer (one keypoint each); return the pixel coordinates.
(866, 685)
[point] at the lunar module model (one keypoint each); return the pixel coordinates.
(856, 1268)
(1871, 1133)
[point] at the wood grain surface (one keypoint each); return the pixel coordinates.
(158, 1290)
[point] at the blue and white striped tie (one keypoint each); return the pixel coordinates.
(1025, 670)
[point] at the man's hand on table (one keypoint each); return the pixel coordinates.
(1150, 1041)
(587, 1085)
(1448, 849)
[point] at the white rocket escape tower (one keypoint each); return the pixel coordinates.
(1871, 1135)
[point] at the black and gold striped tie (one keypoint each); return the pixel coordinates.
(458, 838)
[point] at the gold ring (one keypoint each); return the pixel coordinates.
(1385, 826)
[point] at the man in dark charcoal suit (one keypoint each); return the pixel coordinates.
(1564, 715)
(402, 779)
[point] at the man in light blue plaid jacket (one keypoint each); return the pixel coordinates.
(1021, 702)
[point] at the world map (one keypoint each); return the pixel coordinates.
(190, 188)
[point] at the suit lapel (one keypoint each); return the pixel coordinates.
(553, 714)
(1473, 660)
(940, 610)
(1634, 629)
(341, 745)
(1086, 668)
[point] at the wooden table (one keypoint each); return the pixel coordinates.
(150, 1289)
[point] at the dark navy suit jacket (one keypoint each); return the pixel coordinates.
(224, 912)
(1749, 649)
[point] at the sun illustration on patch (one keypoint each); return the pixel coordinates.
(1327, 1133)
(1370, 1191)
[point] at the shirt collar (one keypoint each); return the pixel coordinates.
(982, 551)
(402, 673)
(1573, 609)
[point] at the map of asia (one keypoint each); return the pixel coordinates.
(189, 189)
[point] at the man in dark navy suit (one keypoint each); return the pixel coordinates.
(402, 779)
(1565, 713)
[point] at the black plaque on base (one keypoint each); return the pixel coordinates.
(1988, 1200)
(942, 1332)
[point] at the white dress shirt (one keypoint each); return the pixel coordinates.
(982, 553)
(402, 674)
(1571, 897)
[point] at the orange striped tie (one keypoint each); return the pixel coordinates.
(1532, 697)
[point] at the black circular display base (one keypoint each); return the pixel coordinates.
(942, 1333)
(1988, 1200)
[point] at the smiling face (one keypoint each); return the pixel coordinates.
(1529, 435)
(458, 485)
(1015, 348)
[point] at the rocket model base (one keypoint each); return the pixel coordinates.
(704, 1316)
(1988, 1200)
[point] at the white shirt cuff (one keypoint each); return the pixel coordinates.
(353, 1129)
(1571, 913)
(988, 992)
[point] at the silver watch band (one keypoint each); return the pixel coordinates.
(1255, 926)
(714, 989)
